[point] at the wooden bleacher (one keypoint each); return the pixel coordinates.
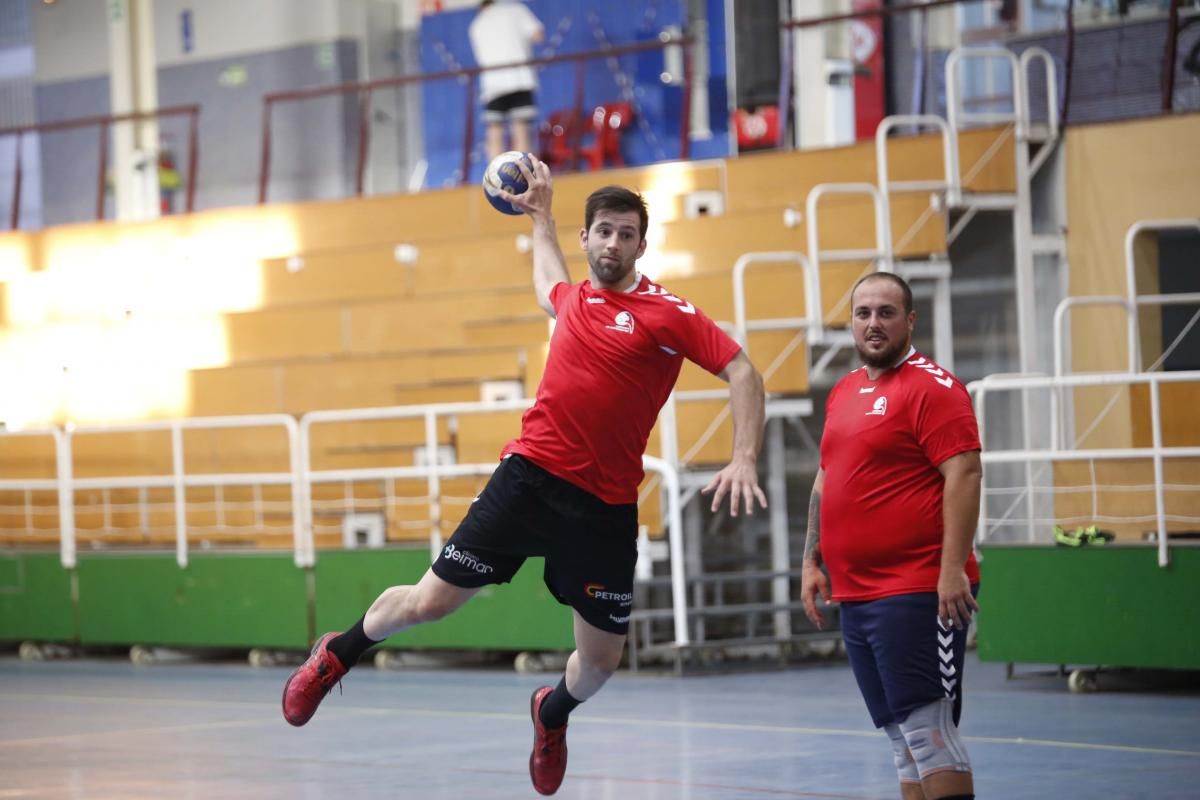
(342, 322)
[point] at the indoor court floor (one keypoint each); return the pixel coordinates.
(105, 728)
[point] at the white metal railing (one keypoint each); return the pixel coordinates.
(1157, 452)
(1137, 228)
(880, 254)
(60, 483)
(301, 477)
(960, 118)
(811, 322)
(433, 472)
(1062, 360)
(950, 166)
(1028, 56)
(1018, 72)
(179, 480)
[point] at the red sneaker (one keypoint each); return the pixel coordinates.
(312, 680)
(548, 761)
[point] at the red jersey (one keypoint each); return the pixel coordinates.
(613, 361)
(881, 505)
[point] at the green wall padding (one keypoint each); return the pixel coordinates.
(219, 600)
(1111, 606)
(35, 598)
(521, 615)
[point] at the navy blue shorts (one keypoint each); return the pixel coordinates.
(590, 546)
(901, 655)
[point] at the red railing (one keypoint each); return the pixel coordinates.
(365, 88)
(103, 123)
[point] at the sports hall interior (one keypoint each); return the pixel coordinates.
(231, 421)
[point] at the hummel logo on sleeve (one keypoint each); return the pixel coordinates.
(682, 305)
(932, 369)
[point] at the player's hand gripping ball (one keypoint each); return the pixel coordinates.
(503, 173)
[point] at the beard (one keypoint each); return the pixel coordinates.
(609, 271)
(882, 359)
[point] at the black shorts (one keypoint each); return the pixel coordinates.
(590, 546)
(514, 105)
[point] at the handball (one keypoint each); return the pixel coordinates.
(503, 173)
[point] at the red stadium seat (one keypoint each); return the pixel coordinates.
(562, 134)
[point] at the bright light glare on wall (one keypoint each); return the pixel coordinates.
(665, 182)
(108, 329)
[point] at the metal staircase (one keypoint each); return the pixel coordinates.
(729, 612)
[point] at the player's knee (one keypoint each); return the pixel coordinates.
(906, 767)
(932, 738)
(601, 664)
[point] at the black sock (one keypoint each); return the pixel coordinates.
(557, 706)
(959, 797)
(350, 646)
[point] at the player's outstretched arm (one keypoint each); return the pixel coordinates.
(739, 479)
(549, 265)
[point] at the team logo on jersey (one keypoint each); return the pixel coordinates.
(622, 322)
(933, 369)
(879, 408)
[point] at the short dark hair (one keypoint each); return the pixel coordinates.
(887, 276)
(616, 198)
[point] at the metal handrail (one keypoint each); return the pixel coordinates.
(177, 480)
(61, 482)
(1157, 451)
(103, 123)
(1130, 306)
(434, 471)
(957, 116)
(471, 74)
(1137, 228)
(1026, 58)
(881, 255)
(811, 322)
(950, 166)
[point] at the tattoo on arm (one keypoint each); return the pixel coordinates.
(812, 543)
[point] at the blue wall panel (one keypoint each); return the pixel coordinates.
(571, 26)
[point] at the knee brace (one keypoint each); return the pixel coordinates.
(906, 768)
(933, 739)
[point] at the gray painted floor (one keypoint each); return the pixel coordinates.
(109, 729)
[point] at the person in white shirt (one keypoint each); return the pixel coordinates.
(505, 33)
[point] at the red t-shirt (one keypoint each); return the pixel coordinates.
(613, 361)
(881, 506)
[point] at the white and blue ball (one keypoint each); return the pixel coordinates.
(503, 173)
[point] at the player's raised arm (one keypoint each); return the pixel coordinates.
(549, 265)
(739, 478)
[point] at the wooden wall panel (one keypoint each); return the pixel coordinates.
(1119, 173)
(1178, 407)
(434, 322)
(27, 457)
(107, 454)
(285, 333)
(334, 275)
(238, 389)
